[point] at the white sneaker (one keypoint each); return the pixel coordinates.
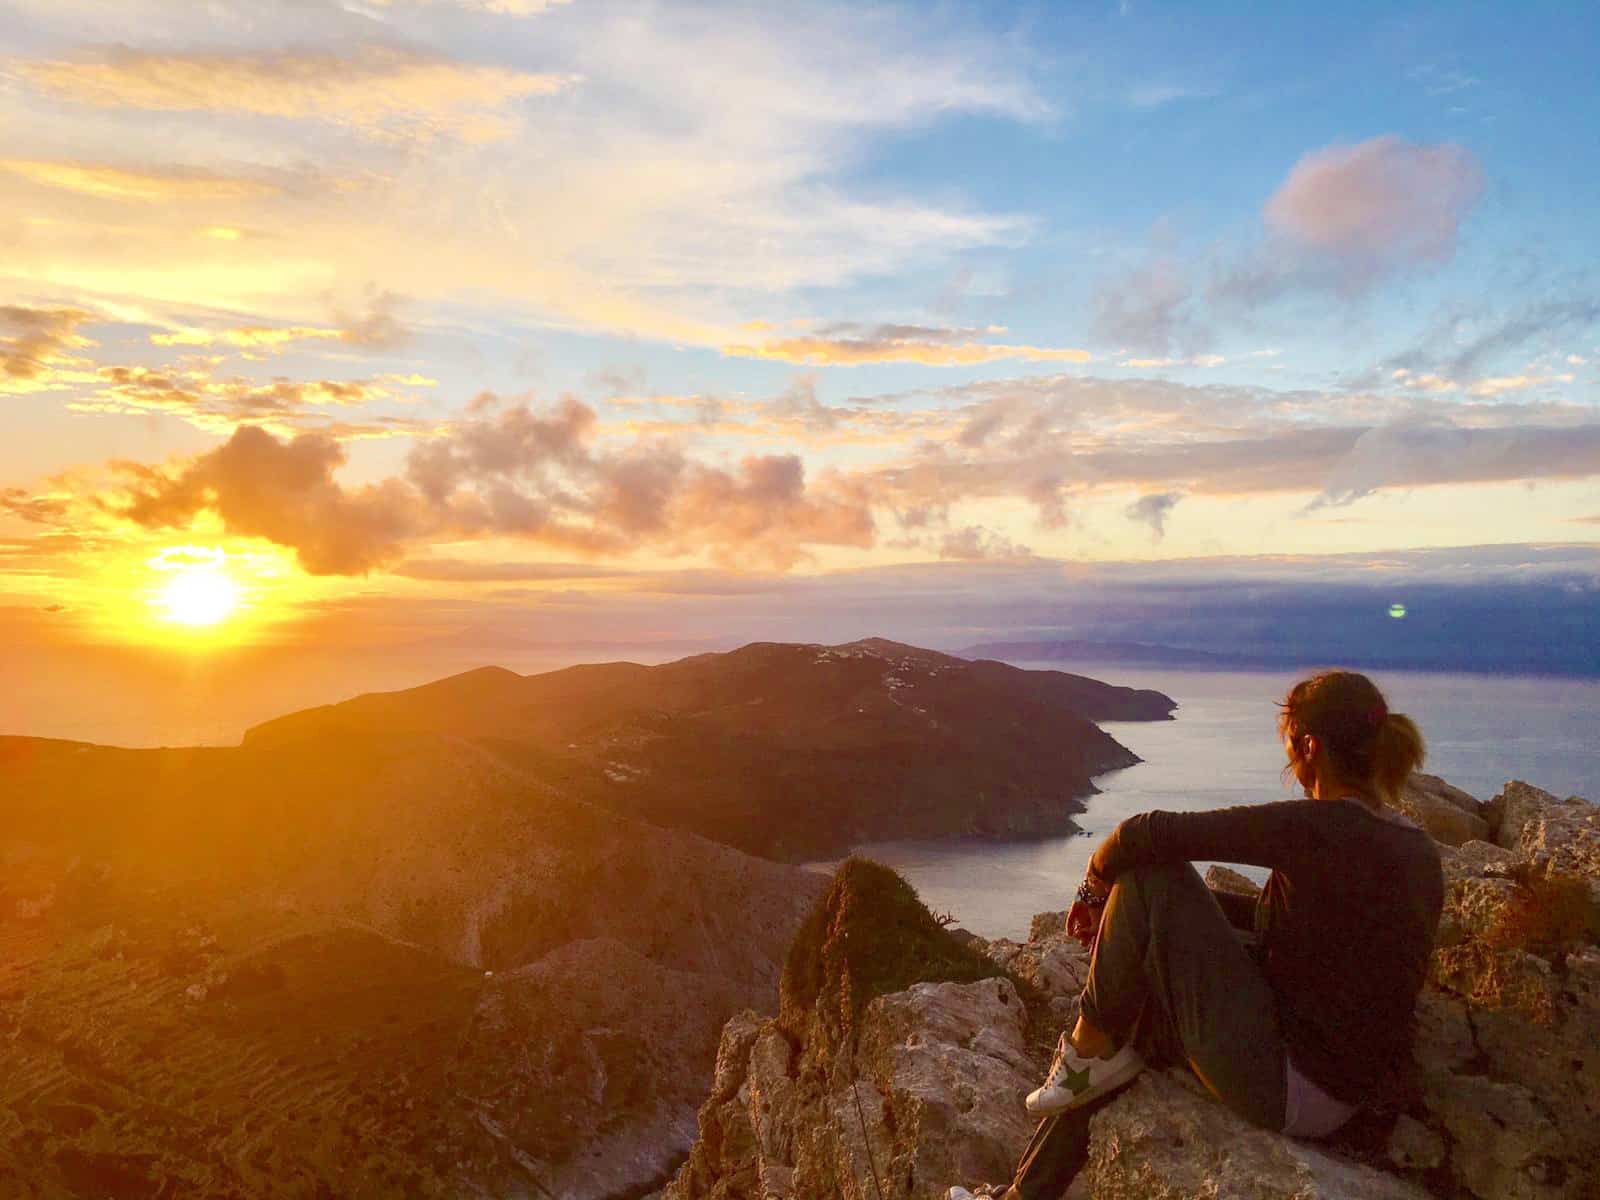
(986, 1191)
(1075, 1080)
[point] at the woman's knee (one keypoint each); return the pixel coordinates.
(1162, 879)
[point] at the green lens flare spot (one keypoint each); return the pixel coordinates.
(1397, 611)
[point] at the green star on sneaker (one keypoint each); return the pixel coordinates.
(1075, 1080)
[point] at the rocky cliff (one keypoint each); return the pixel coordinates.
(862, 1089)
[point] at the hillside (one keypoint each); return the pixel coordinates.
(360, 966)
(787, 751)
(422, 944)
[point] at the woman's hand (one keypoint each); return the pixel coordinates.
(1083, 919)
(1083, 922)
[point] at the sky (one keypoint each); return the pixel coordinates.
(500, 323)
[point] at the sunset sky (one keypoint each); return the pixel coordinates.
(534, 321)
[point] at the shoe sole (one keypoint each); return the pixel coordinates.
(1127, 1072)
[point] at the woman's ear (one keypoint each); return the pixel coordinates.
(1310, 747)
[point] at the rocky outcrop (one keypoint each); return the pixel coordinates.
(927, 1091)
(1166, 1137)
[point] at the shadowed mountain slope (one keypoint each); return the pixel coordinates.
(787, 751)
(365, 965)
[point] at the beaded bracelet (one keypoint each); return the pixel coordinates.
(1087, 895)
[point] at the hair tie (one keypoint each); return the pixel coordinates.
(1376, 715)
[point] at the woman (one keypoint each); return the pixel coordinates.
(1299, 1032)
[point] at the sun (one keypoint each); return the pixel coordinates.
(199, 596)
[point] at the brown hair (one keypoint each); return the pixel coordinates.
(1368, 746)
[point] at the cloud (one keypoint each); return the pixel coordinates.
(1153, 510)
(32, 340)
(510, 471)
(249, 337)
(151, 185)
(193, 394)
(854, 345)
(506, 8)
(1376, 207)
(455, 570)
(1343, 220)
(1423, 452)
(378, 328)
(708, 157)
(1148, 308)
(378, 89)
(286, 493)
(974, 543)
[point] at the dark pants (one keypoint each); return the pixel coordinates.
(1171, 975)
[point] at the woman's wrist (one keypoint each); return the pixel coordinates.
(1092, 891)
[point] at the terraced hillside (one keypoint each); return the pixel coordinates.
(366, 968)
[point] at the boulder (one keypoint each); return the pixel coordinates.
(1226, 879)
(1537, 826)
(1450, 815)
(1166, 1139)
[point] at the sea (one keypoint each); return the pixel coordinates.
(1223, 749)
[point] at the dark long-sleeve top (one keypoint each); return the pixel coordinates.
(1346, 922)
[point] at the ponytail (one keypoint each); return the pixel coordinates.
(1398, 752)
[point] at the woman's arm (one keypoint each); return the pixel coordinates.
(1261, 835)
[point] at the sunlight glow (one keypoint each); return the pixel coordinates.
(200, 596)
(201, 592)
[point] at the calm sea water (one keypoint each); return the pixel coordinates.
(1223, 749)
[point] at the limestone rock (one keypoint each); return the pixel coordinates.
(1047, 924)
(1226, 879)
(1565, 833)
(1413, 1146)
(1450, 815)
(1164, 1139)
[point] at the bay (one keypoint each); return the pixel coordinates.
(1223, 749)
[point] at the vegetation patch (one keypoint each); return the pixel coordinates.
(870, 935)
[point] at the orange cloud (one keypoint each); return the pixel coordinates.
(32, 340)
(123, 183)
(248, 337)
(378, 89)
(904, 344)
(516, 472)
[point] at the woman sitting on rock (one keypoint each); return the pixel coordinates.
(1298, 1031)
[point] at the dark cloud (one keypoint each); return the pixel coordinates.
(1465, 344)
(286, 493)
(1152, 510)
(1412, 454)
